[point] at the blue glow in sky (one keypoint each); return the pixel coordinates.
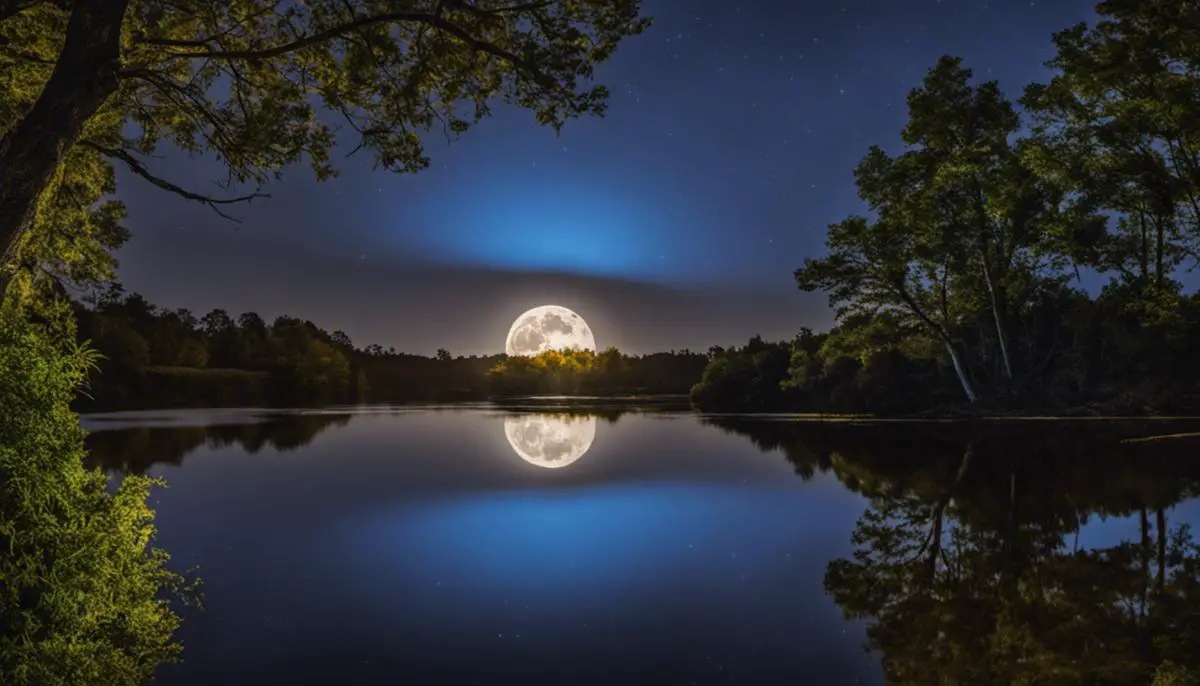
(535, 220)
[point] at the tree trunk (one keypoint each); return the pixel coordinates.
(1144, 256)
(1161, 524)
(84, 77)
(1145, 562)
(1160, 248)
(1000, 335)
(939, 514)
(962, 372)
(943, 333)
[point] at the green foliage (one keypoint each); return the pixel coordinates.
(864, 364)
(976, 231)
(1171, 674)
(83, 592)
(964, 229)
(575, 372)
(1117, 126)
(1104, 356)
(744, 378)
(167, 358)
(257, 85)
(76, 224)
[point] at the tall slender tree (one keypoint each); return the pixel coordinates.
(963, 226)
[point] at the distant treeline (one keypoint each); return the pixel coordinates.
(155, 357)
(1100, 363)
(1083, 357)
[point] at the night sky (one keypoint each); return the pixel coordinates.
(674, 222)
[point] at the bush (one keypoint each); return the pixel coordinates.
(85, 598)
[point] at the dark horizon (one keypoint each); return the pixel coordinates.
(635, 317)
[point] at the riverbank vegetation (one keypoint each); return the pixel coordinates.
(83, 596)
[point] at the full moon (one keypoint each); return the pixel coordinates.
(547, 441)
(548, 327)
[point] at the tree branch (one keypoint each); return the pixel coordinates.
(203, 42)
(11, 8)
(135, 165)
(433, 20)
(479, 11)
(20, 56)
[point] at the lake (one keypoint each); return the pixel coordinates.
(597, 545)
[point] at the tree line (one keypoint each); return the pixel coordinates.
(158, 357)
(965, 277)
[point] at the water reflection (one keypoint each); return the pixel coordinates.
(552, 441)
(986, 554)
(962, 553)
(134, 450)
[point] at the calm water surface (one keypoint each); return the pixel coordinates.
(486, 546)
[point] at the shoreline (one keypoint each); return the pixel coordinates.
(634, 403)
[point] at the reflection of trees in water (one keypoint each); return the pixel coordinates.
(574, 408)
(572, 414)
(135, 450)
(967, 565)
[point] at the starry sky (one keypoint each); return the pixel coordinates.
(675, 221)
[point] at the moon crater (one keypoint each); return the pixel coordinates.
(549, 327)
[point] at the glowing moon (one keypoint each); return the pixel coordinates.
(548, 327)
(547, 441)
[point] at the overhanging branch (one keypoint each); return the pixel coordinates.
(135, 165)
(497, 11)
(433, 20)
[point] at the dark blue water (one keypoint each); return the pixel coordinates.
(419, 546)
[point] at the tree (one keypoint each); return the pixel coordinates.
(85, 596)
(1117, 126)
(322, 373)
(341, 340)
(962, 226)
(988, 215)
(749, 377)
(610, 370)
(875, 266)
(223, 339)
(103, 82)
